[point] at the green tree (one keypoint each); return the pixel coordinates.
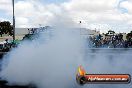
(6, 28)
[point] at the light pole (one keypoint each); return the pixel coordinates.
(13, 21)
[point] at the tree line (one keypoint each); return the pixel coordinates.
(6, 28)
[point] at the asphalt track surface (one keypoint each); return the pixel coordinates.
(89, 52)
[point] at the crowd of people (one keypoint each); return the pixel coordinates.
(114, 41)
(7, 45)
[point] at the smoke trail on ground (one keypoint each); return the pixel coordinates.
(109, 61)
(47, 62)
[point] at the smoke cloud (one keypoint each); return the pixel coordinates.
(51, 60)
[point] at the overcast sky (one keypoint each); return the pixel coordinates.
(100, 14)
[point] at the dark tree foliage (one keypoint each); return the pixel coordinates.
(6, 28)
